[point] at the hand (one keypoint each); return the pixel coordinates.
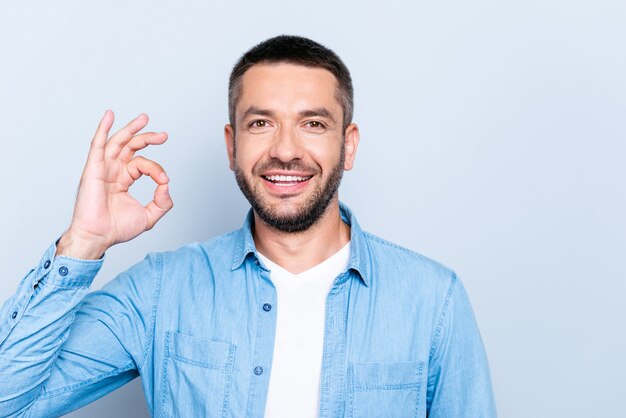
(105, 213)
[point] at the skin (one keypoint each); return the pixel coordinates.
(105, 213)
(286, 113)
(291, 113)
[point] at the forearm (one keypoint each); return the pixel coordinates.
(72, 244)
(35, 322)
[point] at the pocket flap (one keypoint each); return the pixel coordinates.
(199, 352)
(376, 376)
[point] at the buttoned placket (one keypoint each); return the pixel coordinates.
(264, 340)
(333, 374)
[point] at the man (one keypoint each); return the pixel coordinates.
(298, 314)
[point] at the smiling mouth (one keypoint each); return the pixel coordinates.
(286, 180)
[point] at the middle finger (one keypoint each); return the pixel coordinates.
(116, 143)
(139, 142)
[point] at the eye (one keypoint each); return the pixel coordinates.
(315, 124)
(259, 125)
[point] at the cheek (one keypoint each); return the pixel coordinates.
(326, 157)
(247, 155)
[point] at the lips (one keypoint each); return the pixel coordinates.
(286, 184)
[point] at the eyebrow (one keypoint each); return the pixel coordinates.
(253, 110)
(319, 112)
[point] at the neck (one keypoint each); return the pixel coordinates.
(298, 252)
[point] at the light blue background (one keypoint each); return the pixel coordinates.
(493, 140)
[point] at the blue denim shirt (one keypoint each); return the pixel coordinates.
(198, 325)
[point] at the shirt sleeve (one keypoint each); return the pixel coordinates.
(459, 384)
(62, 347)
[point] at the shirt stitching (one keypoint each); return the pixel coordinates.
(155, 303)
(97, 378)
(444, 309)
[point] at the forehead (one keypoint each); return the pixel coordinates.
(288, 87)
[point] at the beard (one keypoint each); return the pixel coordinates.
(307, 213)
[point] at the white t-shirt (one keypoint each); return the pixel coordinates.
(294, 383)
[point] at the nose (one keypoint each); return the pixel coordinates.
(287, 145)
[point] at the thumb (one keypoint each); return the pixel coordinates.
(159, 206)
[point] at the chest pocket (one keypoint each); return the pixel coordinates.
(386, 389)
(197, 376)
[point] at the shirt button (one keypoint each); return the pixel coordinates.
(258, 370)
(267, 307)
(63, 271)
(14, 315)
(46, 264)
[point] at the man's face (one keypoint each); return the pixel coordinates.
(289, 151)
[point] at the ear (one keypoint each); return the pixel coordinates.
(351, 143)
(229, 140)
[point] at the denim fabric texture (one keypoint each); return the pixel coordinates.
(400, 336)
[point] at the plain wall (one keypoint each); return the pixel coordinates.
(493, 140)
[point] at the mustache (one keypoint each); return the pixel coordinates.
(295, 165)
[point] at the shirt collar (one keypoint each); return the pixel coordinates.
(245, 244)
(358, 247)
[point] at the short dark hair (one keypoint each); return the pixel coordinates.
(293, 50)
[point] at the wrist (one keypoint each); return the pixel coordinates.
(76, 245)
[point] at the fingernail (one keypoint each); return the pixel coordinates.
(163, 176)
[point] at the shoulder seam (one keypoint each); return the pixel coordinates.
(382, 241)
(371, 237)
(155, 302)
(434, 346)
(219, 237)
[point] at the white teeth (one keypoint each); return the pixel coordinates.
(286, 178)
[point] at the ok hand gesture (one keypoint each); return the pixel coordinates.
(105, 213)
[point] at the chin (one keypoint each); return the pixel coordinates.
(286, 207)
(295, 212)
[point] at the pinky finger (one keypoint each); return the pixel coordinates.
(96, 152)
(159, 206)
